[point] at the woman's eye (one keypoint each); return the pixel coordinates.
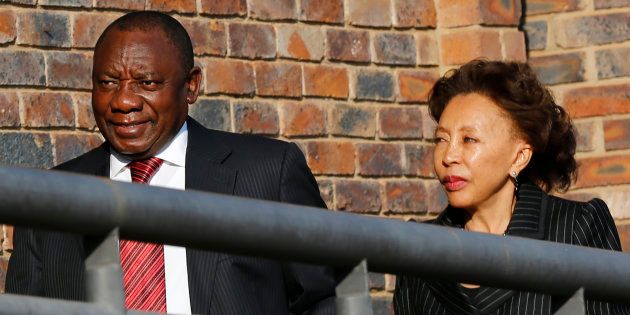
(437, 140)
(469, 140)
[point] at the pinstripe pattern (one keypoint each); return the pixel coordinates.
(536, 216)
(51, 264)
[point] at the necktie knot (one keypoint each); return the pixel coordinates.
(143, 170)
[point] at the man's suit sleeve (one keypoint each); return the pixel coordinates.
(24, 272)
(311, 288)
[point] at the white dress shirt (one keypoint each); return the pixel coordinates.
(172, 174)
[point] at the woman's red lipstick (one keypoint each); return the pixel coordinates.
(453, 183)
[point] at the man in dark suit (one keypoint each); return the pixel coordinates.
(144, 78)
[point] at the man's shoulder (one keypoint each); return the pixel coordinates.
(86, 162)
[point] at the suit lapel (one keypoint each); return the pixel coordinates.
(528, 220)
(205, 171)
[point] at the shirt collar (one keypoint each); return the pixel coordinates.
(173, 153)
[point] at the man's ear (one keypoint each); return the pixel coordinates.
(523, 156)
(193, 83)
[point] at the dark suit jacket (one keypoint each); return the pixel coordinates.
(537, 216)
(51, 264)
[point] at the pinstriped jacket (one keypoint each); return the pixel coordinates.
(537, 216)
(51, 264)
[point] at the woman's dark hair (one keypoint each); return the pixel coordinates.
(538, 119)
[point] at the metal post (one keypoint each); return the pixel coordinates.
(104, 284)
(353, 293)
(575, 305)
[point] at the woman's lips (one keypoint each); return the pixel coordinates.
(130, 130)
(454, 183)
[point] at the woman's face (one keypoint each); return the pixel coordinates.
(475, 151)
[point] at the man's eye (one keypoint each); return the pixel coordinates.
(107, 82)
(149, 83)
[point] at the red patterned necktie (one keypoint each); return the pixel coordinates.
(143, 263)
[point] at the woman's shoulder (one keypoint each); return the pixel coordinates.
(593, 207)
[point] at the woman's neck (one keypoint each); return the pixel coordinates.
(493, 216)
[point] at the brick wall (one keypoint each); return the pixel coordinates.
(346, 80)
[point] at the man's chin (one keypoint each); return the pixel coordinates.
(132, 151)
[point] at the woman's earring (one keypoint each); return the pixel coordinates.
(515, 177)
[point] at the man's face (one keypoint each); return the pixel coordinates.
(140, 92)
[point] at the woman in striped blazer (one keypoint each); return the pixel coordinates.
(501, 145)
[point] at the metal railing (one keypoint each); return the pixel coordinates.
(94, 206)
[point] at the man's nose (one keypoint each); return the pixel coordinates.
(126, 98)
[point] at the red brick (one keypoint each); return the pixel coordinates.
(358, 196)
(514, 46)
(325, 11)
(400, 123)
(428, 124)
(31, 67)
(224, 7)
(414, 13)
(379, 159)
(370, 12)
(562, 68)
(459, 47)
(419, 160)
(23, 2)
(272, 9)
(427, 45)
(374, 85)
(69, 146)
(327, 191)
(331, 158)
(278, 79)
(69, 70)
(300, 42)
(598, 100)
(437, 200)
(617, 200)
(256, 117)
(252, 41)
(208, 37)
(326, 81)
(414, 85)
(586, 134)
(624, 236)
(87, 27)
(617, 134)
(42, 28)
(85, 115)
(212, 113)
(606, 4)
(453, 13)
(66, 3)
(580, 31)
(548, 6)
(7, 26)
(26, 149)
(613, 63)
(303, 119)
(48, 109)
(9, 110)
(405, 197)
(352, 46)
(352, 121)
(500, 12)
(390, 286)
(135, 5)
(395, 49)
(602, 171)
(179, 6)
(229, 77)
